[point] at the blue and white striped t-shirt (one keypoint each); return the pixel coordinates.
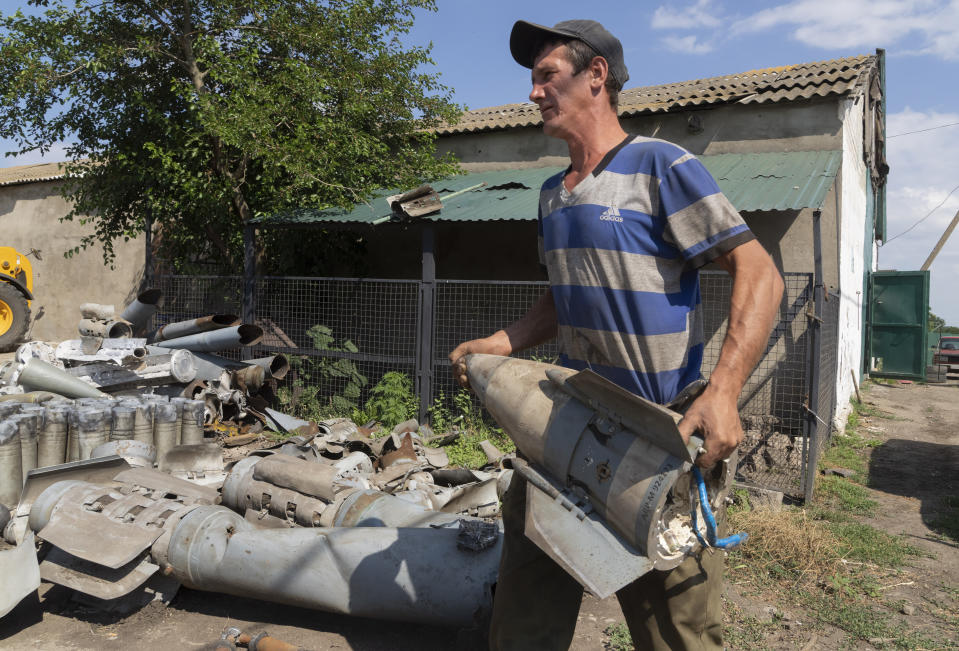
(622, 251)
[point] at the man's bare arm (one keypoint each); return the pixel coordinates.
(535, 327)
(757, 290)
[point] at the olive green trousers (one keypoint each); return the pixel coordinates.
(536, 602)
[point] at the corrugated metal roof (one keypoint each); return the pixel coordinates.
(507, 195)
(780, 84)
(31, 173)
(753, 182)
(775, 181)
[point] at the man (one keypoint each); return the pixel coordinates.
(623, 232)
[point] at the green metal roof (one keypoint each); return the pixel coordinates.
(775, 181)
(770, 181)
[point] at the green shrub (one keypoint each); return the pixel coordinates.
(323, 386)
(391, 402)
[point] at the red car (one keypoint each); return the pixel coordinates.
(948, 354)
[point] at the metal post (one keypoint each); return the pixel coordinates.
(249, 273)
(148, 258)
(424, 335)
(813, 424)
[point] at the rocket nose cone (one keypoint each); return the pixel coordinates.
(480, 369)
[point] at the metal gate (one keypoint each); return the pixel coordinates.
(899, 307)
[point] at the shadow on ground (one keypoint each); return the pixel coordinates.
(925, 471)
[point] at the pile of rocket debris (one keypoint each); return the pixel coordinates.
(113, 484)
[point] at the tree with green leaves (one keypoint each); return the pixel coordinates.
(935, 321)
(202, 114)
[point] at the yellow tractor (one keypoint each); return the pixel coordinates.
(16, 292)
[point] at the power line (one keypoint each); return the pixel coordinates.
(909, 133)
(923, 219)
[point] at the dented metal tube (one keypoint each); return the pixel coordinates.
(52, 441)
(142, 309)
(11, 477)
(216, 340)
(351, 571)
(194, 326)
(192, 422)
(105, 329)
(37, 375)
(625, 454)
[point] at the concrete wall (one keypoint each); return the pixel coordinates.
(851, 258)
(798, 126)
(30, 219)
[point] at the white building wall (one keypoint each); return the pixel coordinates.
(851, 259)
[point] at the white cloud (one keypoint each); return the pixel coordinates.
(921, 173)
(932, 24)
(686, 45)
(697, 15)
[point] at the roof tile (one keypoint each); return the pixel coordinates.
(779, 84)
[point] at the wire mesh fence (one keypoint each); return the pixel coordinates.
(771, 454)
(468, 310)
(343, 334)
(821, 414)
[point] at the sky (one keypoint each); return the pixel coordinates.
(690, 39)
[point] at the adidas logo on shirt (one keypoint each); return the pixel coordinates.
(611, 214)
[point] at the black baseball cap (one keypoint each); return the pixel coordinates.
(527, 39)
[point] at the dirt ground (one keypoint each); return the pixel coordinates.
(914, 468)
(912, 472)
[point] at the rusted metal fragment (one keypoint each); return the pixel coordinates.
(239, 439)
(419, 201)
(403, 454)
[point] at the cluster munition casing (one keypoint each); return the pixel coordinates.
(612, 500)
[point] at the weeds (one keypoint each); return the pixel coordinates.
(619, 637)
(840, 493)
(827, 562)
(860, 542)
(784, 545)
(323, 386)
(391, 402)
(745, 632)
(467, 418)
(846, 448)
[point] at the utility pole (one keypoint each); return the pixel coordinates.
(942, 240)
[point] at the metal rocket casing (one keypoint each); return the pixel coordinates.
(592, 437)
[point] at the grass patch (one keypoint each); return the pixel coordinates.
(744, 632)
(860, 542)
(839, 493)
(785, 545)
(845, 449)
(619, 637)
(868, 623)
(464, 416)
(465, 451)
(871, 411)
